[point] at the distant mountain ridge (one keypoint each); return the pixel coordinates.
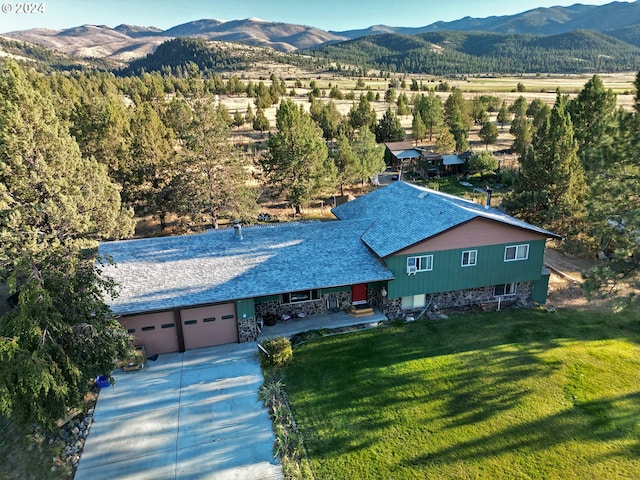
(127, 42)
(538, 21)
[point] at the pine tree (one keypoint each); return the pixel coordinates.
(613, 208)
(362, 115)
(298, 164)
(503, 114)
(214, 174)
(550, 188)
(261, 122)
(345, 161)
(593, 116)
(389, 128)
(445, 144)
(369, 155)
(418, 130)
(458, 117)
(430, 109)
(488, 133)
(148, 180)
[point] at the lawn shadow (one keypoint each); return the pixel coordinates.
(487, 361)
(613, 420)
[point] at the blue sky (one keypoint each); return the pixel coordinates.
(326, 14)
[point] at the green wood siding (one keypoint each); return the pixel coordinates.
(269, 298)
(541, 287)
(325, 291)
(449, 275)
(245, 307)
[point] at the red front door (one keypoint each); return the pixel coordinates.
(359, 293)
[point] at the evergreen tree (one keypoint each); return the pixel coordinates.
(148, 183)
(261, 122)
(362, 115)
(503, 114)
(100, 126)
(488, 133)
(54, 206)
(430, 109)
(369, 155)
(345, 161)
(327, 117)
(446, 143)
(238, 119)
(519, 107)
(177, 116)
(550, 188)
(613, 208)
(249, 117)
(297, 164)
(389, 128)
(458, 118)
(522, 129)
(418, 130)
(593, 116)
(214, 175)
(403, 105)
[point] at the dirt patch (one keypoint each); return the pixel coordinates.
(565, 283)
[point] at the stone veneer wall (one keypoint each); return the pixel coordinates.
(309, 308)
(392, 307)
(247, 330)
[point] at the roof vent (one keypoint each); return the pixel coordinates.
(489, 192)
(237, 230)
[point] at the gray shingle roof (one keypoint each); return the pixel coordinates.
(404, 214)
(172, 272)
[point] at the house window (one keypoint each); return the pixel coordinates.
(504, 290)
(414, 301)
(298, 297)
(469, 258)
(516, 252)
(420, 264)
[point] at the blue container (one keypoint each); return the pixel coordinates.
(102, 381)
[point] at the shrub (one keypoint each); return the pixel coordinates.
(279, 352)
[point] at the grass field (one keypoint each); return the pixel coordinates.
(516, 394)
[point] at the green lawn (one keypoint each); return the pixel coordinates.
(515, 394)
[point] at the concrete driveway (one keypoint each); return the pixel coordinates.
(192, 415)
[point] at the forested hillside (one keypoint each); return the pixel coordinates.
(182, 54)
(458, 53)
(45, 59)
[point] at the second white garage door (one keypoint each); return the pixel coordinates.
(208, 326)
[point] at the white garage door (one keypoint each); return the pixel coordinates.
(208, 326)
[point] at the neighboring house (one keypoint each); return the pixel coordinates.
(430, 165)
(400, 248)
(402, 155)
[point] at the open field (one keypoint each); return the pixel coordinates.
(536, 86)
(514, 394)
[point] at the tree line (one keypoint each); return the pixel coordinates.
(451, 53)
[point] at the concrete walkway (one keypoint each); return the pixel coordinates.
(318, 322)
(192, 415)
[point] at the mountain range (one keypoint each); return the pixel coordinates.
(123, 43)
